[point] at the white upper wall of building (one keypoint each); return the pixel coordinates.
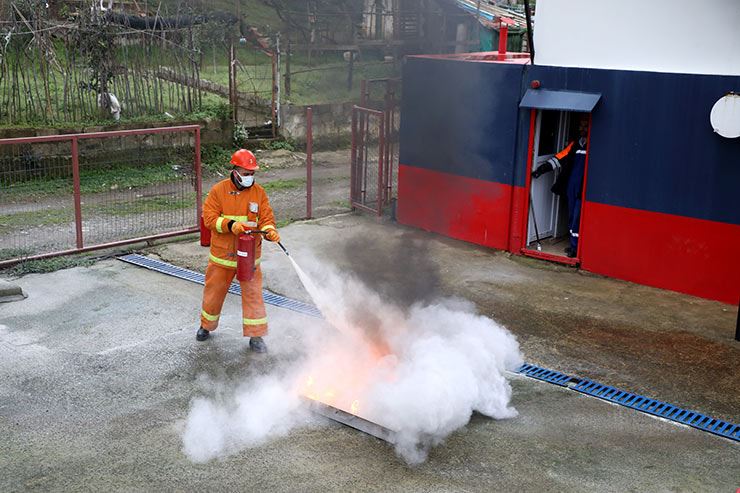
(679, 36)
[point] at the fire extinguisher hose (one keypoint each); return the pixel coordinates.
(257, 231)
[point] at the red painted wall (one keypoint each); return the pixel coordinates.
(692, 256)
(464, 208)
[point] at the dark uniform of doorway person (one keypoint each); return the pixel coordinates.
(571, 163)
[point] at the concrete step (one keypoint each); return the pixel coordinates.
(10, 292)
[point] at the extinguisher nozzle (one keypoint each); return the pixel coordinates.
(281, 246)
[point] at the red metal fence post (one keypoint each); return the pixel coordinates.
(353, 159)
(76, 184)
(309, 161)
(381, 152)
(198, 180)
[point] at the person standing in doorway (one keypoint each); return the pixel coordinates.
(234, 206)
(571, 165)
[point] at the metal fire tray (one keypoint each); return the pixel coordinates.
(351, 420)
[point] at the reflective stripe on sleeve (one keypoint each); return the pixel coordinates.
(236, 218)
(219, 224)
(220, 261)
(254, 321)
(208, 316)
(268, 227)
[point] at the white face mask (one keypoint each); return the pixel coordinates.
(245, 181)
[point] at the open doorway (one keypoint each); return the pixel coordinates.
(556, 185)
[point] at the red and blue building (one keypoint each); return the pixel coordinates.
(661, 202)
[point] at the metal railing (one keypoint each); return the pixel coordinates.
(73, 193)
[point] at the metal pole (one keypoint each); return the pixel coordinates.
(529, 31)
(233, 90)
(78, 201)
(287, 70)
(503, 34)
(353, 159)
(277, 82)
(380, 165)
(364, 141)
(309, 161)
(198, 179)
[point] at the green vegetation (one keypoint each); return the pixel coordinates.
(276, 185)
(40, 218)
(215, 159)
(66, 215)
(48, 265)
(160, 203)
(8, 253)
(284, 222)
(101, 179)
(275, 145)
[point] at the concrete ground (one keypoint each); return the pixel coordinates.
(99, 366)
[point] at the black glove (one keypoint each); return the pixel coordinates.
(543, 168)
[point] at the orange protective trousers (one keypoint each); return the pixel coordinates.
(218, 281)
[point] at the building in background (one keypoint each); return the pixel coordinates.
(661, 195)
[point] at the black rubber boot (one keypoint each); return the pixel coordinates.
(257, 345)
(202, 334)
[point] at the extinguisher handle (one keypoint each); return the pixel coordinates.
(255, 232)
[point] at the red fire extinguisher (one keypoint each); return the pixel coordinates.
(205, 233)
(245, 251)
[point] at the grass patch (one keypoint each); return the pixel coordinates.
(144, 205)
(9, 253)
(281, 144)
(215, 159)
(48, 265)
(95, 180)
(53, 217)
(44, 217)
(277, 185)
(284, 222)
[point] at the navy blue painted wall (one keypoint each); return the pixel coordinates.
(652, 146)
(461, 117)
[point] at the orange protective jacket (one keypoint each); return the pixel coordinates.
(226, 203)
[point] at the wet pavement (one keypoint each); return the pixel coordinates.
(99, 366)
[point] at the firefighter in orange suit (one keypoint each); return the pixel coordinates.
(233, 206)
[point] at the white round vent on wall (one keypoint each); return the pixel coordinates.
(725, 116)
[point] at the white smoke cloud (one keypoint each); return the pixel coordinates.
(420, 371)
(265, 408)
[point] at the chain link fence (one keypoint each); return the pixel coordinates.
(71, 193)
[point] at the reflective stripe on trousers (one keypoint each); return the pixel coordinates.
(218, 280)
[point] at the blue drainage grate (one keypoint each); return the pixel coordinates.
(543, 374)
(659, 408)
(634, 401)
(589, 387)
(196, 277)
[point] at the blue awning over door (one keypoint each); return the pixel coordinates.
(544, 99)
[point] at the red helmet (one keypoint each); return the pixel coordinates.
(244, 159)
